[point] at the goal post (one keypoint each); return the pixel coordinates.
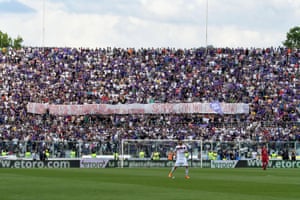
(130, 149)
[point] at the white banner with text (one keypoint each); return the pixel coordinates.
(155, 108)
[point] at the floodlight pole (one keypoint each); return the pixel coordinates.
(43, 24)
(206, 24)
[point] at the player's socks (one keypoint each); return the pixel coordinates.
(186, 171)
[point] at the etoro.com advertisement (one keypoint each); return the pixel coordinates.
(4, 163)
(274, 163)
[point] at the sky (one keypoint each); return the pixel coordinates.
(150, 23)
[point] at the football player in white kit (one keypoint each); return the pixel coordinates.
(181, 160)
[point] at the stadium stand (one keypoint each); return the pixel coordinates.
(266, 79)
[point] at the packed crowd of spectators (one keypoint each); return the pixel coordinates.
(266, 79)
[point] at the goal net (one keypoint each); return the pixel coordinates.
(131, 148)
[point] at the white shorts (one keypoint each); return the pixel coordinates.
(181, 163)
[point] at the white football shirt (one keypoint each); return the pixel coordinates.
(180, 151)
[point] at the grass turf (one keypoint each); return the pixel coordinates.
(149, 183)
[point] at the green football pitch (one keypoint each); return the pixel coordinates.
(149, 183)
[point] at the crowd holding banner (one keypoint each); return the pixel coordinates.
(93, 98)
